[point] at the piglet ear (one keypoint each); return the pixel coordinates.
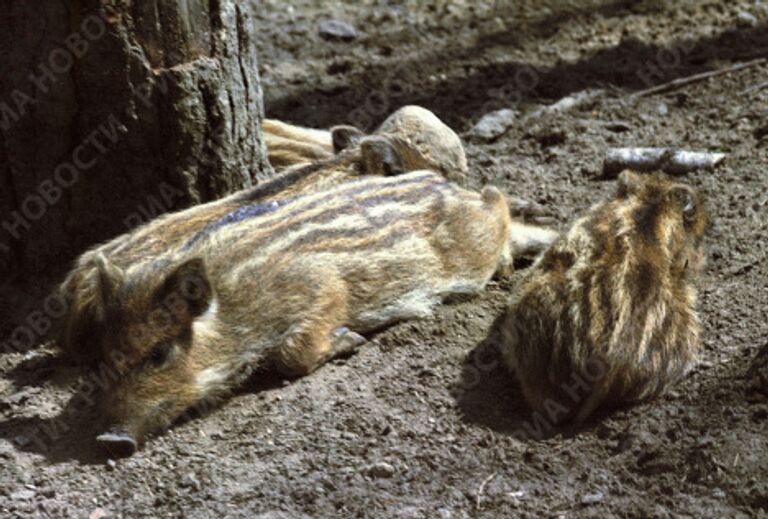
(380, 157)
(629, 182)
(186, 291)
(109, 279)
(344, 137)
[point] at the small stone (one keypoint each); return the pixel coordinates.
(23, 495)
(190, 481)
(746, 19)
(18, 398)
(592, 499)
(494, 124)
(381, 470)
(337, 30)
(111, 464)
(618, 126)
(99, 513)
(718, 493)
(549, 137)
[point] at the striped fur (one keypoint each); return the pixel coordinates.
(434, 145)
(289, 145)
(293, 286)
(78, 331)
(607, 315)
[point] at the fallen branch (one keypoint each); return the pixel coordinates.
(684, 81)
(674, 162)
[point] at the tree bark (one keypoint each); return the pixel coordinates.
(112, 112)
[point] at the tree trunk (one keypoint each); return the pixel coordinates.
(113, 112)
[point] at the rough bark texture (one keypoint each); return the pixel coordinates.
(112, 112)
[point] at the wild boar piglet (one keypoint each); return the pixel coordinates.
(289, 284)
(79, 331)
(420, 138)
(607, 315)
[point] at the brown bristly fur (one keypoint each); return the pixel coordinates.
(425, 142)
(78, 332)
(421, 140)
(606, 316)
(292, 287)
(435, 146)
(290, 145)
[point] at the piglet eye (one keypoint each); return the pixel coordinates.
(687, 203)
(689, 209)
(160, 354)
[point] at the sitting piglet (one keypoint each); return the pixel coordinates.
(291, 284)
(607, 316)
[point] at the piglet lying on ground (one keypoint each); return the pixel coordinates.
(292, 284)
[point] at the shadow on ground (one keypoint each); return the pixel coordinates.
(630, 66)
(70, 435)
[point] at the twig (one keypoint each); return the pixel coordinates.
(673, 161)
(482, 489)
(568, 103)
(684, 81)
(754, 88)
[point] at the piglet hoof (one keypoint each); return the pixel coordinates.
(118, 444)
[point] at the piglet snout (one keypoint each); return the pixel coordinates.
(118, 442)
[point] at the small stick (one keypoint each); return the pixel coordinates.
(568, 103)
(482, 489)
(684, 81)
(675, 162)
(754, 88)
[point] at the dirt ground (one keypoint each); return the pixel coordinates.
(422, 422)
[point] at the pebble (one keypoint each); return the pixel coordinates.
(381, 470)
(592, 499)
(190, 481)
(494, 124)
(337, 30)
(618, 126)
(746, 19)
(98, 513)
(23, 495)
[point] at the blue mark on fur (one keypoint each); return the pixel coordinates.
(353, 188)
(341, 330)
(238, 215)
(243, 213)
